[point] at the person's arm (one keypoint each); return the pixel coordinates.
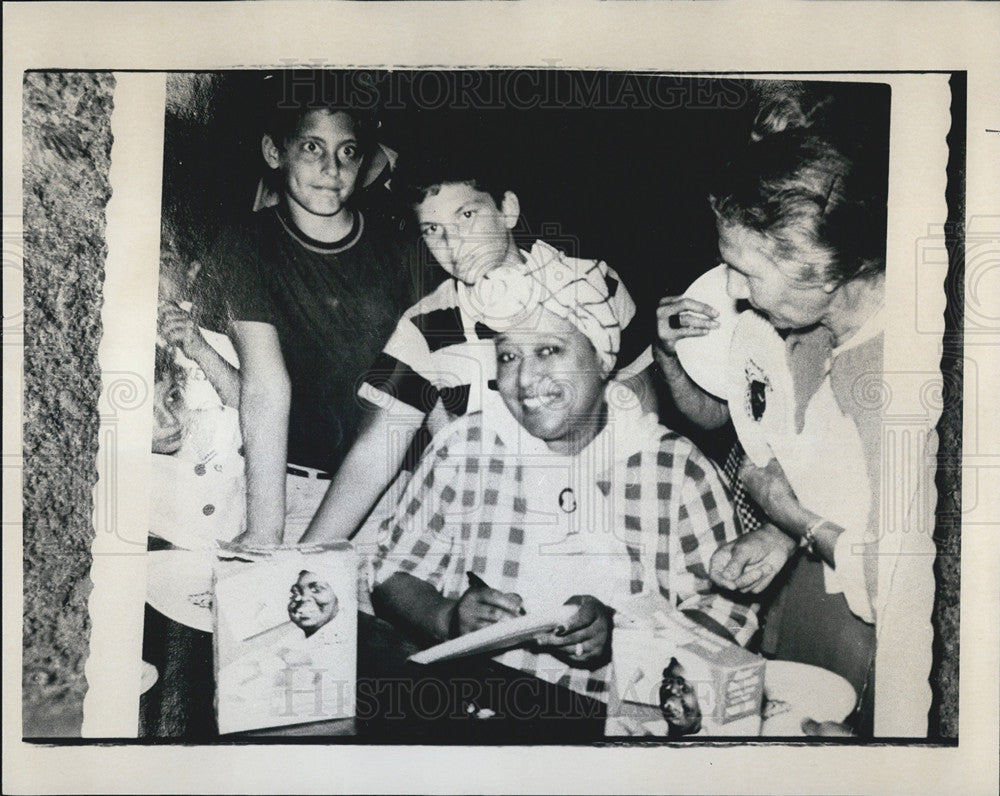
(770, 489)
(399, 397)
(415, 580)
(418, 605)
(265, 398)
(366, 472)
(697, 319)
(179, 328)
(585, 640)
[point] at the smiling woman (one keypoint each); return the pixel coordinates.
(494, 499)
(324, 302)
(551, 381)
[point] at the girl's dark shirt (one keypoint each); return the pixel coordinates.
(333, 306)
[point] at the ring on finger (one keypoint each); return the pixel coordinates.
(578, 649)
(674, 321)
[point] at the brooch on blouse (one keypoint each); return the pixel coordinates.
(567, 500)
(758, 386)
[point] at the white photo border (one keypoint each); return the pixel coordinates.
(647, 31)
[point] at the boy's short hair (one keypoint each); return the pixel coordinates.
(289, 96)
(420, 176)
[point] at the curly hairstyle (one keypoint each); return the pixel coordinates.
(806, 181)
(811, 201)
(788, 104)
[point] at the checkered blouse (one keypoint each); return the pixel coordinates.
(468, 507)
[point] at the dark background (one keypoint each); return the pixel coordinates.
(606, 165)
(615, 166)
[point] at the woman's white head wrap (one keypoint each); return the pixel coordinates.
(579, 291)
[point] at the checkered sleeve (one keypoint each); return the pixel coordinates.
(704, 519)
(419, 539)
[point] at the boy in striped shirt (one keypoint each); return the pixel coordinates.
(440, 360)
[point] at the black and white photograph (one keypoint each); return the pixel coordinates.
(566, 408)
(378, 307)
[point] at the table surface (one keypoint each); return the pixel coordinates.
(398, 701)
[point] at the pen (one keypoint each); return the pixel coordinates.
(477, 582)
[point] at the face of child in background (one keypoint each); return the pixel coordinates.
(320, 163)
(311, 602)
(465, 230)
(177, 278)
(168, 411)
(754, 275)
(550, 379)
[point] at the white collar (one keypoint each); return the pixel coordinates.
(870, 329)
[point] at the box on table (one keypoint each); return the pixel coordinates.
(726, 680)
(285, 640)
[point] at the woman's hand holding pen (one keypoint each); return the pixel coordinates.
(481, 605)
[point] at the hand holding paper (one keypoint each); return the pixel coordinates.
(586, 638)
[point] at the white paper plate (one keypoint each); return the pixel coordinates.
(149, 677)
(704, 358)
(759, 390)
(179, 586)
(809, 692)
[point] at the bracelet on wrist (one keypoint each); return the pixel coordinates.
(808, 540)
